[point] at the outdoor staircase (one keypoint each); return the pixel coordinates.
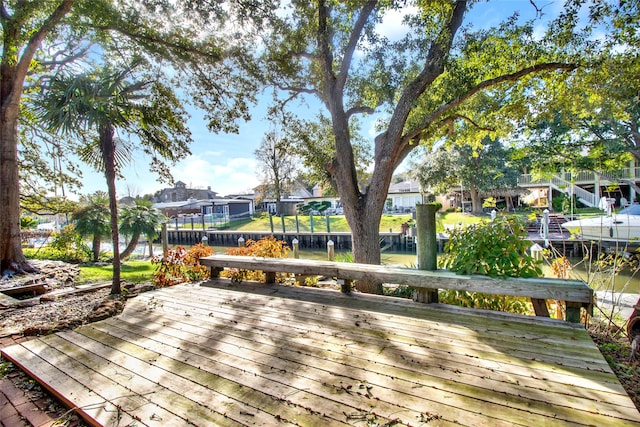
(555, 224)
(586, 197)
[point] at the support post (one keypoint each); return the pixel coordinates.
(427, 249)
(573, 311)
(330, 250)
(165, 237)
(296, 248)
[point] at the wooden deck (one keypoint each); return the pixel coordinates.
(255, 354)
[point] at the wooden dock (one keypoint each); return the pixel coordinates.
(273, 355)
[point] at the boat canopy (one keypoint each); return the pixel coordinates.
(631, 210)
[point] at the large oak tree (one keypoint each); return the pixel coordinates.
(419, 83)
(190, 43)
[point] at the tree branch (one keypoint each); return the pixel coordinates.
(353, 42)
(36, 39)
(211, 55)
(359, 109)
(452, 118)
(67, 59)
(430, 119)
(299, 90)
(433, 67)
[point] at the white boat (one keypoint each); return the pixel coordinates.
(623, 226)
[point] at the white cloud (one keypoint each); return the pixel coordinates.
(224, 176)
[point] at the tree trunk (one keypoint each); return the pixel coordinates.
(11, 257)
(108, 155)
(476, 200)
(150, 242)
(16, 60)
(96, 247)
(131, 246)
(365, 236)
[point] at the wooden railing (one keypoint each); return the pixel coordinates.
(575, 293)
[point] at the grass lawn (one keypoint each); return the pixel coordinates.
(388, 222)
(130, 271)
(336, 223)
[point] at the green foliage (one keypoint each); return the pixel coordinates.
(344, 257)
(519, 305)
(562, 203)
(67, 245)
(399, 291)
(496, 249)
(489, 202)
(92, 218)
(314, 206)
(180, 265)
(485, 167)
(267, 247)
(139, 219)
(27, 222)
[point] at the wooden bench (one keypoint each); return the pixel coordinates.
(575, 293)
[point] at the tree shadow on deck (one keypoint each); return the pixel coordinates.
(252, 353)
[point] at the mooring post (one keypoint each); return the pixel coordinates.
(296, 248)
(330, 250)
(165, 238)
(427, 248)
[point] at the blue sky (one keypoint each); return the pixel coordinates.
(226, 162)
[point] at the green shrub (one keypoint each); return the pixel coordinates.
(496, 249)
(67, 245)
(519, 305)
(27, 222)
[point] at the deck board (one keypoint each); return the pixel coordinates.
(254, 354)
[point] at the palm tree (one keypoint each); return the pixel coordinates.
(138, 220)
(106, 101)
(92, 219)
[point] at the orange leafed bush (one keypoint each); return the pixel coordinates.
(180, 265)
(267, 247)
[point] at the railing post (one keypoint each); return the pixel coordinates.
(165, 238)
(427, 249)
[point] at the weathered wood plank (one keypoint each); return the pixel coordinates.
(441, 354)
(407, 367)
(191, 396)
(290, 341)
(37, 289)
(96, 408)
(271, 355)
(425, 334)
(267, 373)
(348, 380)
(565, 290)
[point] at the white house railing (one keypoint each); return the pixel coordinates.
(584, 177)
